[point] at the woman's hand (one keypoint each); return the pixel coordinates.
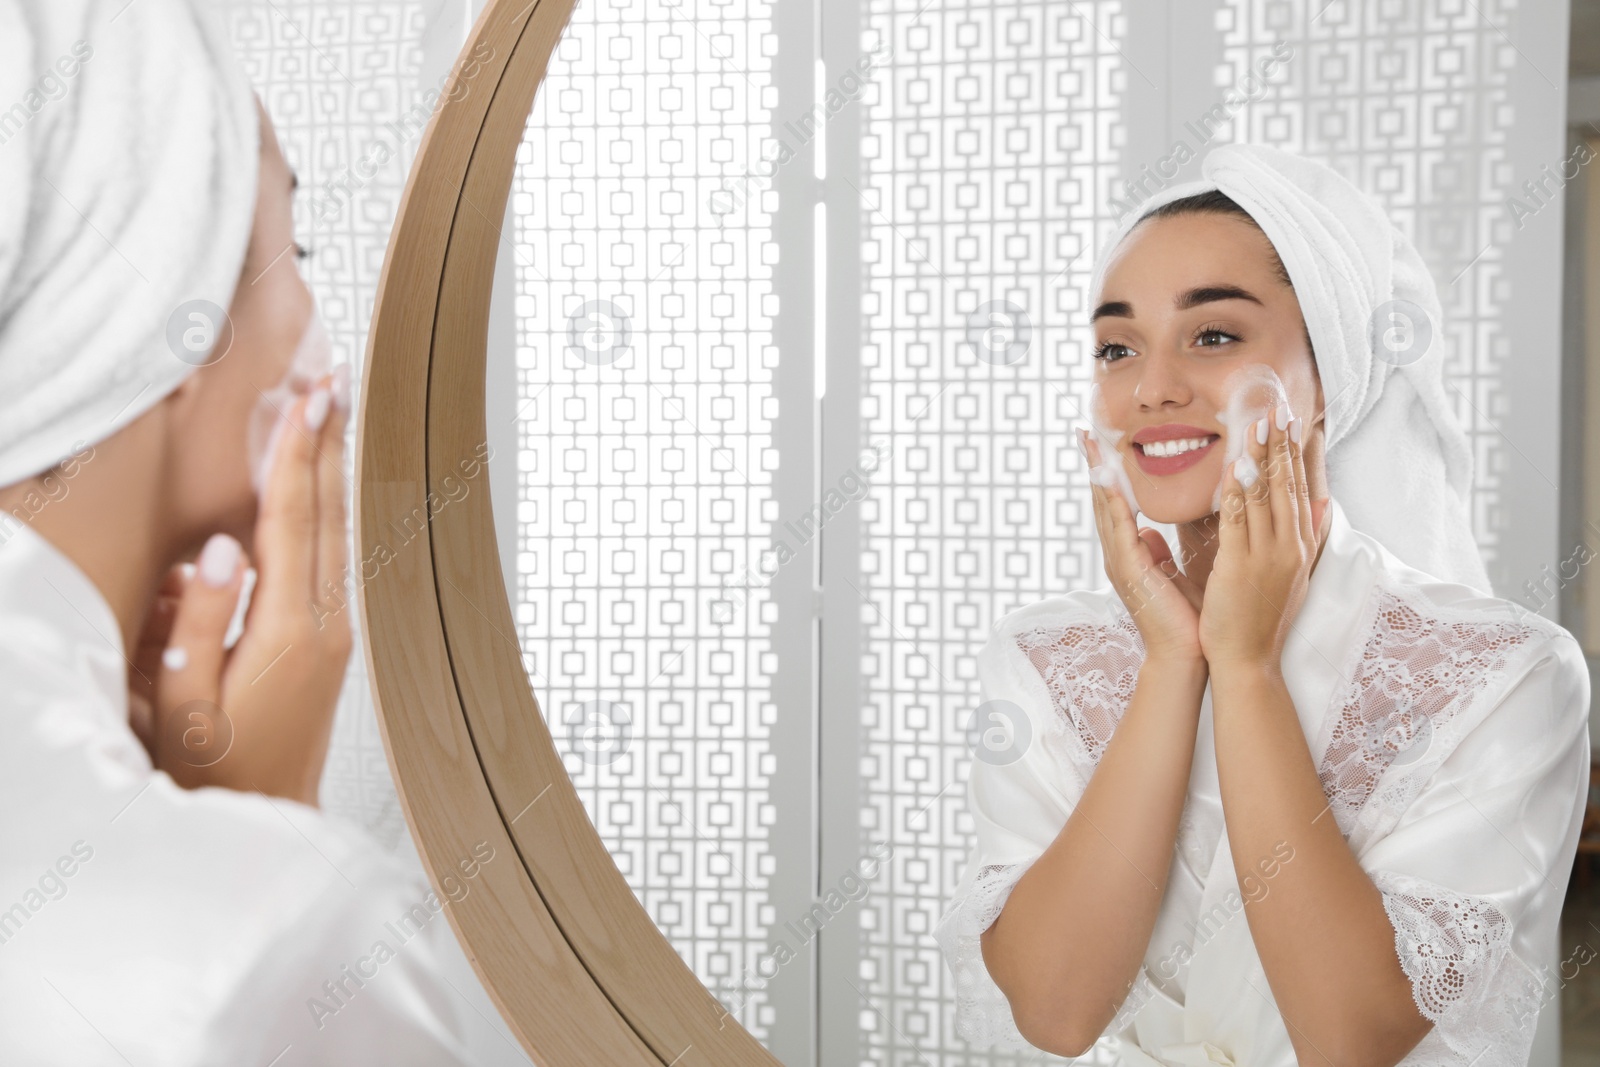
(1267, 544)
(258, 716)
(1164, 602)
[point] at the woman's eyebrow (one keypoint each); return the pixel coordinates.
(1204, 294)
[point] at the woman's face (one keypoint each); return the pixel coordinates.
(1186, 301)
(270, 310)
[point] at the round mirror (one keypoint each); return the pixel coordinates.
(571, 957)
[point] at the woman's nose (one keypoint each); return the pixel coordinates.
(1161, 379)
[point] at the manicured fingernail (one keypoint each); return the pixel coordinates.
(317, 408)
(218, 560)
(1244, 470)
(1295, 429)
(341, 386)
(1261, 432)
(1283, 415)
(175, 658)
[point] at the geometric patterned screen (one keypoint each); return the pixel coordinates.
(987, 149)
(644, 356)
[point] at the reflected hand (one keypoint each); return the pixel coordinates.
(1267, 545)
(1164, 602)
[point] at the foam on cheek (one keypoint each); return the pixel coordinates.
(1111, 473)
(313, 358)
(1254, 392)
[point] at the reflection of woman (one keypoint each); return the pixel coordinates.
(1308, 800)
(169, 892)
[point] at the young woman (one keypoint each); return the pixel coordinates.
(169, 891)
(1303, 800)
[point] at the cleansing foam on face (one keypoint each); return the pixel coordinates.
(1254, 392)
(1111, 472)
(312, 359)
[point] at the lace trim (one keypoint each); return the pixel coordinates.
(1419, 669)
(1484, 1000)
(983, 1014)
(1089, 670)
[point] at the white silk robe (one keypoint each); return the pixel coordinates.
(1450, 732)
(145, 923)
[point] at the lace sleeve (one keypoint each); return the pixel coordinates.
(983, 1015)
(1053, 706)
(1474, 867)
(1483, 999)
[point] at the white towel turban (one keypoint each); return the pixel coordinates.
(129, 148)
(1398, 460)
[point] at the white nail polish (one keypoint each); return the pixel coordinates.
(317, 408)
(341, 387)
(175, 658)
(218, 560)
(1295, 429)
(1245, 471)
(1261, 432)
(1283, 415)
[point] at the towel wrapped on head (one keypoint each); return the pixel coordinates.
(129, 155)
(1398, 460)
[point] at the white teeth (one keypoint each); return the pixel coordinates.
(1175, 447)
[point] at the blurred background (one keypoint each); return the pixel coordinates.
(788, 335)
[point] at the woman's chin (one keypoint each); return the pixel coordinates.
(1174, 505)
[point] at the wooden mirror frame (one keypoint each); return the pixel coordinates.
(569, 956)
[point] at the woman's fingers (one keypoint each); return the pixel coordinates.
(191, 664)
(145, 662)
(1257, 495)
(332, 553)
(1160, 551)
(1192, 592)
(1282, 484)
(1233, 533)
(286, 528)
(1091, 456)
(1308, 532)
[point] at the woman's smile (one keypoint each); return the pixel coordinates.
(1172, 447)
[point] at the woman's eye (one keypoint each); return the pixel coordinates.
(1213, 333)
(1101, 351)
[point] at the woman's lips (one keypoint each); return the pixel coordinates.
(1174, 464)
